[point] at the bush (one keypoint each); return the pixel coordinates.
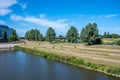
(96, 40)
(116, 71)
(101, 67)
(108, 70)
(117, 42)
(88, 64)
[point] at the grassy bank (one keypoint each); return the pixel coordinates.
(114, 71)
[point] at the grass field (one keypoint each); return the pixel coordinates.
(101, 54)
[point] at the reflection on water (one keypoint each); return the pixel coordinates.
(18, 65)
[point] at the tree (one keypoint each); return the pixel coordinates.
(13, 36)
(108, 35)
(33, 34)
(50, 34)
(27, 35)
(105, 34)
(72, 35)
(40, 37)
(5, 34)
(90, 34)
(61, 36)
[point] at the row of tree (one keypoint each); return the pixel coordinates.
(89, 34)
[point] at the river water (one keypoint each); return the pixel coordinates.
(18, 65)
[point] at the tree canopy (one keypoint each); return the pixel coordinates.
(90, 34)
(13, 36)
(50, 34)
(72, 35)
(33, 34)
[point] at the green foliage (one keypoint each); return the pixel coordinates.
(116, 42)
(95, 40)
(107, 35)
(5, 34)
(72, 35)
(34, 34)
(50, 34)
(13, 36)
(40, 37)
(90, 34)
(116, 71)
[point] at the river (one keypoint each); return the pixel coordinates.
(18, 65)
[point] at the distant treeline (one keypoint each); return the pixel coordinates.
(107, 35)
(89, 34)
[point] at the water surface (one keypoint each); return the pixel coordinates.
(18, 65)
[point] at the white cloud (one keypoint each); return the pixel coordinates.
(2, 22)
(108, 16)
(111, 15)
(42, 15)
(23, 5)
(5, 6)
(16, 18)
(4, 11)
(59, 24)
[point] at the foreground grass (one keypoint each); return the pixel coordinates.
(56, 52)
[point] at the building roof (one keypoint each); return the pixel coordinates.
(3, 26)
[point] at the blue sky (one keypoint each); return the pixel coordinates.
(24, 15)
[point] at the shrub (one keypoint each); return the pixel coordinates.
(117, 42)
(88, 64)
(109, 70)
(115, 71)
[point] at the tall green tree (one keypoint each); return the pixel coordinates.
(90, 34)
(105, 34)
(40, 37)
(27, 35)
(13, 36)
(72, 35)
(50, 34)
(34, 35)
(5, 34)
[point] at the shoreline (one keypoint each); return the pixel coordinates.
(9, 45)
(72, 61)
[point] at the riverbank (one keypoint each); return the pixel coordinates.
(110, 70)
(100, 54)
(9, 45)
